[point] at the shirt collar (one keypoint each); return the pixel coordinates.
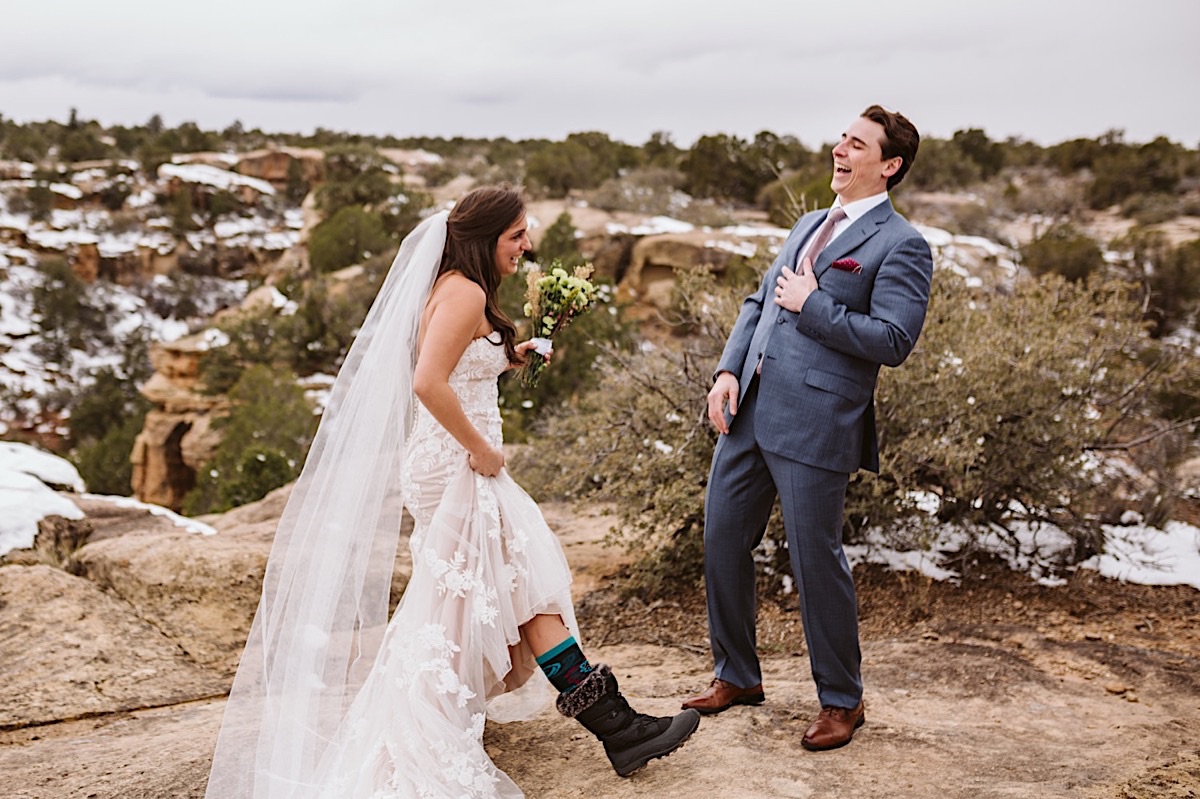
(859, 207)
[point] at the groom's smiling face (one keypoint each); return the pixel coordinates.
(859, 168)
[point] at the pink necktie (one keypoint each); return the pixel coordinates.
(824, 234)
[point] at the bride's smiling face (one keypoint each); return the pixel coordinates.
(511, 247)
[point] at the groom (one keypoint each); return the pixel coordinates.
(793, 400)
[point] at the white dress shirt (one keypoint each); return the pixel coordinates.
(853, 211)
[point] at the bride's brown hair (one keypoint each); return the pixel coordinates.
(473, 230)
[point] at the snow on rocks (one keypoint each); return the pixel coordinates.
(27, 475)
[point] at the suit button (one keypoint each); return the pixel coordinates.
(779, 320)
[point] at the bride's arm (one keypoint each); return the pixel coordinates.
(458, 306)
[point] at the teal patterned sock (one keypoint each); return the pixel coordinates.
(565, 665)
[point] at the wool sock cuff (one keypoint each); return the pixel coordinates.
(565, 665)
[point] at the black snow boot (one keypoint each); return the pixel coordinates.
(630, 739)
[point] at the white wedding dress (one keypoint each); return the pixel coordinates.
(484, 562)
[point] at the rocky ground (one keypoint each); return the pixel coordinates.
(116, 666)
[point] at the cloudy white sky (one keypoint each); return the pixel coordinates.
(1046, 70)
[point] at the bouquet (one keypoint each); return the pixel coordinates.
(552, 300)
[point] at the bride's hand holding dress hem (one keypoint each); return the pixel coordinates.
(453, 318)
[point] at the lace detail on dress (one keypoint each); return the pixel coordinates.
(431, 450)
(484, 562)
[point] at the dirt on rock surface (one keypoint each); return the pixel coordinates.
(997, 687)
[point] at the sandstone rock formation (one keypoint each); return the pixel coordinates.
(273, 164)
(178, 436)
(102, 658)
(125, 610)
(655, 260)
(198, 591)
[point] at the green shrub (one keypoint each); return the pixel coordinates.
(723, 166)
(349, 237)
(105, 463)
(1122, 170)
(789, 198)
(1152, 209)
(581, 161)
(220, 203)
(105, 419)
(313, 339)
(113, 197)
(1063, 250)
(82, 145)
(660, 151)
(182, 210)
(258, 472)
(316, 337)
(941, 165)
(559, 243)
(997, 409)
(988, 155)
(297, 187)
(106, 403)
(41, 201)
(1170, 277)
(64, 314)
(355, 175)
(264, 441)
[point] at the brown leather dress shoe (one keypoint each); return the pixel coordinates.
(834, 727)
(722, 695)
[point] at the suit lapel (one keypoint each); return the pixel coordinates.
(859, 231)
(791, 248)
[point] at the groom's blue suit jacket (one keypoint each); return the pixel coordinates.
(816, 393)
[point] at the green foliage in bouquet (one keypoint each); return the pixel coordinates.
(576, 352)
(552, 300)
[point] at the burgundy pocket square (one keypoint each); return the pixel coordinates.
(848, 265)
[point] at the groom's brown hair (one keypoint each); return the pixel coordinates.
(900, 138)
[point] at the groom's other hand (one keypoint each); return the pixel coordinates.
(724, 390)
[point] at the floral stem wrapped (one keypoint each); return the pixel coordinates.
(552, 300)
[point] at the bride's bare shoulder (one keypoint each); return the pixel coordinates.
(455, 301)
(459, 289)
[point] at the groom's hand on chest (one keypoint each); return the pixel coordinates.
(792, 288)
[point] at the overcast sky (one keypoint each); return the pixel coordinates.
(1046, 70)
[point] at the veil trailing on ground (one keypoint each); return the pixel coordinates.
(324, 605)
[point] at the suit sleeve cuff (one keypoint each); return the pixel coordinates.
(817, 309)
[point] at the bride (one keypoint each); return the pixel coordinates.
(333, 700)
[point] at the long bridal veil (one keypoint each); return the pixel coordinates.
(323, 611)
